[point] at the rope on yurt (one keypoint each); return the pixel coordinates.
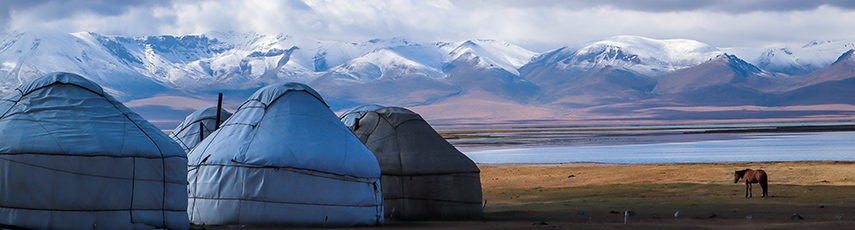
(163, 173)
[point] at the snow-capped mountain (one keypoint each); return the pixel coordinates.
(385, 63)
(842, 69)
(235, 61)
(794, 60)
(724, 80)
(386, 76)
(491, 66)
(407, 74)
(725, 69)
(136, 67)
(643, 56)
(491, 53)
(832, 84)
(24, 56)
(153, 70)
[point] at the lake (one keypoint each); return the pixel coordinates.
(658, 147)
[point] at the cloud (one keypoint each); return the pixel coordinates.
(538, 25)
(722, 29)
(658, 6)
(56, 10)
(77, 15)
(6, 8)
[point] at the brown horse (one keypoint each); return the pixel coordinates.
(751, 177)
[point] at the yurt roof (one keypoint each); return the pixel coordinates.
(287, 125)
(199, 115)
(67, 114)
(63, 78)
(408, 145)
(266, 95)
(351, 116)
(189, 132)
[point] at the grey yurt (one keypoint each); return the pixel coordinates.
(197, 126)
(284, 158)
(423, 176)
(72, 157)
(349, 118)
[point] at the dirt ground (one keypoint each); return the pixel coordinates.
(802, 195)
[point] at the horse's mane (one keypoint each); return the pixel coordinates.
(742, 172)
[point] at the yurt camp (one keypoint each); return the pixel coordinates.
(284, 159)
(424, 177)
(197, 126)
(72, 157)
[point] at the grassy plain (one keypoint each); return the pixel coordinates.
(821, 193)
(595, 196)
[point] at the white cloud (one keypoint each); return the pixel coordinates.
(537, 25)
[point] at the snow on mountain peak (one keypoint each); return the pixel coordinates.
(492, 53)
(680, 53)
(231, 60)
(816, 42)
(27, 55)
(642, 55)
(335, 53)
(795, 60)
(380, 63)
(740, 65)
(848, 57)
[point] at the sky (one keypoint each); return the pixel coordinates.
(537, 25)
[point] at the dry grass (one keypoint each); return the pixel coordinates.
(555, 193)
(558, 175)
(546, 196)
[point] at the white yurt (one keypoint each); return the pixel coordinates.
(424, 177)
(72, 157)
(284, 158)
(197, 126)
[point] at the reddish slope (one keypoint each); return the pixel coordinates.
(842, 69)
(834, 84)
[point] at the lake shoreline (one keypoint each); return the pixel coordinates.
(802, 143)
(599, 164)
(689, 129)
(784, 129)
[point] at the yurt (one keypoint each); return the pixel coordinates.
(424, 177)
(197, 126)
(72, 157)
(284, 159)
(349, 117)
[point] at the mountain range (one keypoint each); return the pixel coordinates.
(619, 80)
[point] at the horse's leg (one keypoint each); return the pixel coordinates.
(747, 189)
(750, 190)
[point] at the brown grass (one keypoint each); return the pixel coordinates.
(555, 193)
(594, 196)
(557, 175)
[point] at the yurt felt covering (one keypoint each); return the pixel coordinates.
(72, 157)
(284, 158)
(423, 176)
(350, 117)
(197, 126)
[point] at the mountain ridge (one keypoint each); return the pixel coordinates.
(631, 72)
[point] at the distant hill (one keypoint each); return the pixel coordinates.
(623, 79)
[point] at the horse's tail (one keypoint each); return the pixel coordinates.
(764, 182)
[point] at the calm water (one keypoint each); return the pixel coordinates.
(738, 147)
